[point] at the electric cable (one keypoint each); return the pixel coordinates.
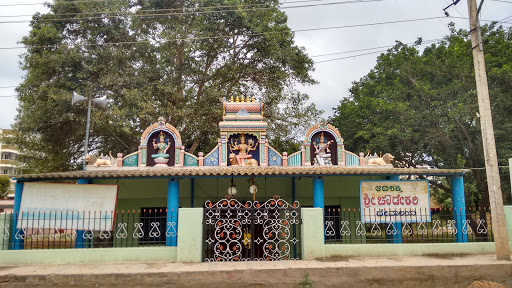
(232, 36)
(121, 14)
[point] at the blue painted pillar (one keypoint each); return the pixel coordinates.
(17, 242)
(171, 233)
(318, 192)
(80, 242)
(459, 208)
(396, 238)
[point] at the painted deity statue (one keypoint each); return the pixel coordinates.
(243, 149)
(323, 154)
(161, 147)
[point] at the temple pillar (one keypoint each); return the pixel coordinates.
(119, 160)
(171, 235)
(459, 208)
(223, 150)
(201, 158)
(17, 242)
(318, 192)
(80, 242)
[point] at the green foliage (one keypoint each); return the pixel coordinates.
(422, 107)
(5, 183)
(177, 66)
(289, 122)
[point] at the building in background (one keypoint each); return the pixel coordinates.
(8, 158)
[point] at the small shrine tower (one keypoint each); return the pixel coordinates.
(243, 133)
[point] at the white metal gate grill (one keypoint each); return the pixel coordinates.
(251, 231)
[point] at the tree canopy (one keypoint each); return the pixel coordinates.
(5, 184)
(151, 58)
(422, 107)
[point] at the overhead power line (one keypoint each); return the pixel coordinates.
(380, 47)
(368, 53)
(504, 1)
(235, 35)
(101, 1)
(177, 11)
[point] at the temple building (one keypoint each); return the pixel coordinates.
(243, 200)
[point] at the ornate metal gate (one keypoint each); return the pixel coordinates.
(251, 231)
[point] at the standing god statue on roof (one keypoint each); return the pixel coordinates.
(323, 155)
(161, 147)
(244, 149)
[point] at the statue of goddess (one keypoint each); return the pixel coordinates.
(323, 155)
(161, 147)
(244, 149)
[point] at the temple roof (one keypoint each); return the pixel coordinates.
(216, 171)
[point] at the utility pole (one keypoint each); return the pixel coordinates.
(491, 159)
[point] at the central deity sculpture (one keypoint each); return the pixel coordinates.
(243, 158)
(161, 158)
(323, 154)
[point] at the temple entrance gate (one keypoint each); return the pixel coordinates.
(251, 231)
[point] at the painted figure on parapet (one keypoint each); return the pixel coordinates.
(323, 154)
(243, 158)
(161, 147)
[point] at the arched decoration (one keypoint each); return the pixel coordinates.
(329, 133)
(250, 140)
(323, 126)
(152, 150)
(160, 126)
(172, 136)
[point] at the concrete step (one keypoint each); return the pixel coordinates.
(411, 271)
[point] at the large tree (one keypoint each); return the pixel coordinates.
(5, 184)
(151, 58)
(422, 106)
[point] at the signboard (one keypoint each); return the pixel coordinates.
(67, 206)
(395, 201)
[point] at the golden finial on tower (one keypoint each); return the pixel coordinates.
(252, 99)
(231, 100)
(237, 98)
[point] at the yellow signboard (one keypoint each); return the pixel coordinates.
(395, 201)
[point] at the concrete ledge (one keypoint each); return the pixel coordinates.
(79, 256)
(368, 250)
(393, 272)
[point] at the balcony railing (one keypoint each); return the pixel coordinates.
(350, 226)
(91, 229)
(9, 147)
(7, 162)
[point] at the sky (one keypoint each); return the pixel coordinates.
(330, 33)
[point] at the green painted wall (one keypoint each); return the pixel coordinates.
(75, 256)
(340, 191)
(508, 221)
(375, 250)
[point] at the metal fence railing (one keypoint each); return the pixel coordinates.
(90, 229)
(351, 226)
